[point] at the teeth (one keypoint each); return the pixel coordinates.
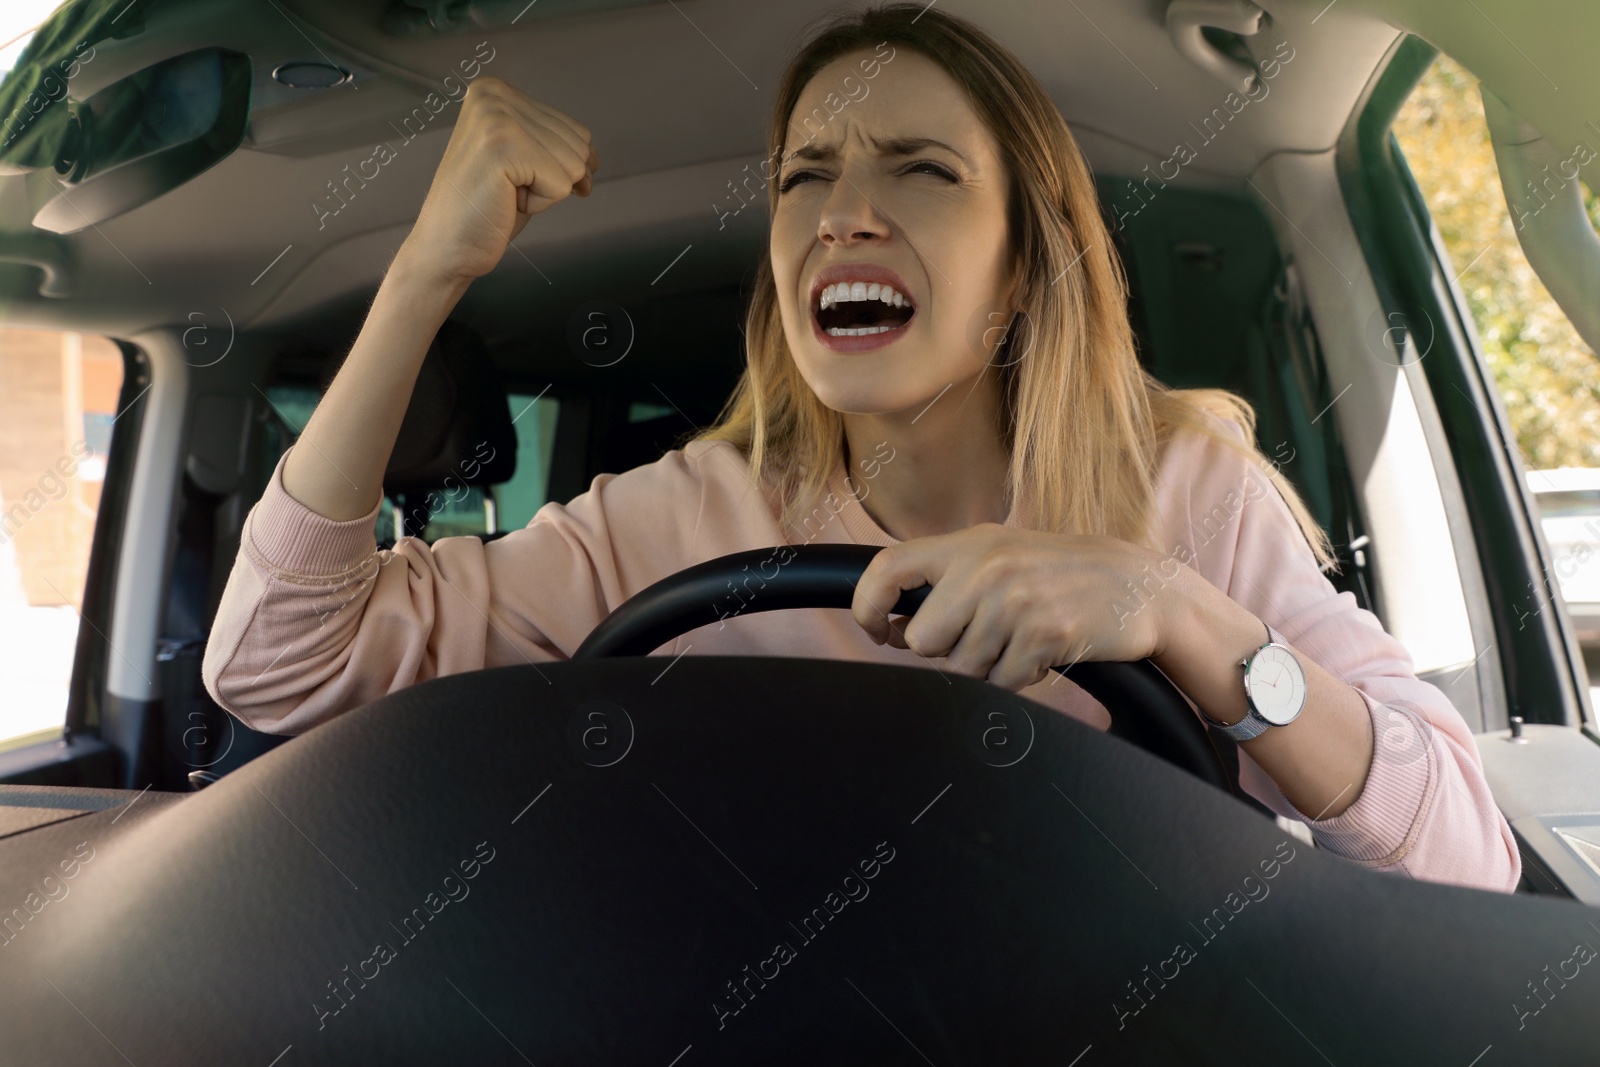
(840, 292)
(841, 331)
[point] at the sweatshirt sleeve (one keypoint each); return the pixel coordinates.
(316, 620)
(1426, 810)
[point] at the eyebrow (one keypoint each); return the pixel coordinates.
(893, 146)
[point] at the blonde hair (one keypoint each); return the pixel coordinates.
(1084, 422)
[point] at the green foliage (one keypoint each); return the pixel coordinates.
(1547, 377)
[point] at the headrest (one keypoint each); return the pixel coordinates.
(457, 429)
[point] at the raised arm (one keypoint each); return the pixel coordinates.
(509, 158)
(315, 620)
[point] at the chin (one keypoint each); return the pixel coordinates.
(886, 396)
(873, 383)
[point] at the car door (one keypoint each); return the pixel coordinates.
(1485, 307)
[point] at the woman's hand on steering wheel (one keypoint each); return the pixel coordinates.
(1008, 604)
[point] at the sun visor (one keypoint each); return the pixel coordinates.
(33, 97)
(135, 140)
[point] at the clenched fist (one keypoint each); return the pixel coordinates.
(509, 158)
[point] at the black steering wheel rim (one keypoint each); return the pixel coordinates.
(1146, 708)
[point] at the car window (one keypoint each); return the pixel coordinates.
(1548, 380)
(534, 417)
(58, 397)
(1569, 504)
(640, 411)
(508, 506)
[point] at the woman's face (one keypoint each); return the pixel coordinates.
(861, 198)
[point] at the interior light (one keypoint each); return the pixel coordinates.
(306, 75)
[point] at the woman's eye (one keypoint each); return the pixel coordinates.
(934, 168)
(931, 168)
(792, 180)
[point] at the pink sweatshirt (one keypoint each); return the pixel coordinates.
(316, 621)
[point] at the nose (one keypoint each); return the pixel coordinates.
(848, 214)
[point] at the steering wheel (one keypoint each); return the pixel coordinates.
(567, 862)
(1146, 709)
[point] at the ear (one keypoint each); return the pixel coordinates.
(1010, 300)
(1013, 286)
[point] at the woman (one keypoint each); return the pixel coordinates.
(985, 417)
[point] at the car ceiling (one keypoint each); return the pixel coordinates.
(676, 95)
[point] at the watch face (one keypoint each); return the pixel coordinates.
(1276, 684)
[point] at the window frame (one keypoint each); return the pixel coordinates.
(80, 756)
(1541, 663)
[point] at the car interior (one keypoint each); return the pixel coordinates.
(1276, 263)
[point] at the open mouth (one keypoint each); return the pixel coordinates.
(859, 313)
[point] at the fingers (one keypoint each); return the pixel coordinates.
(944, 615)
(870, 608)
(963, 619)
(891, 572)
(586, 186)
(937, 626)
(542, 170)
(534, 113)
(588, 162)
(557, 169)
(572, 150)
(979, 644)
(897, 631)
(554, 116)
(1017, 667)
(547, 153)
(1000, 604)
(572, 133)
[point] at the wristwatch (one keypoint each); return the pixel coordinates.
(1274, 690)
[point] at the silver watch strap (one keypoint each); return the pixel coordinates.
(1252, 725)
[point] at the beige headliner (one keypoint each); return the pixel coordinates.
(677, 108)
